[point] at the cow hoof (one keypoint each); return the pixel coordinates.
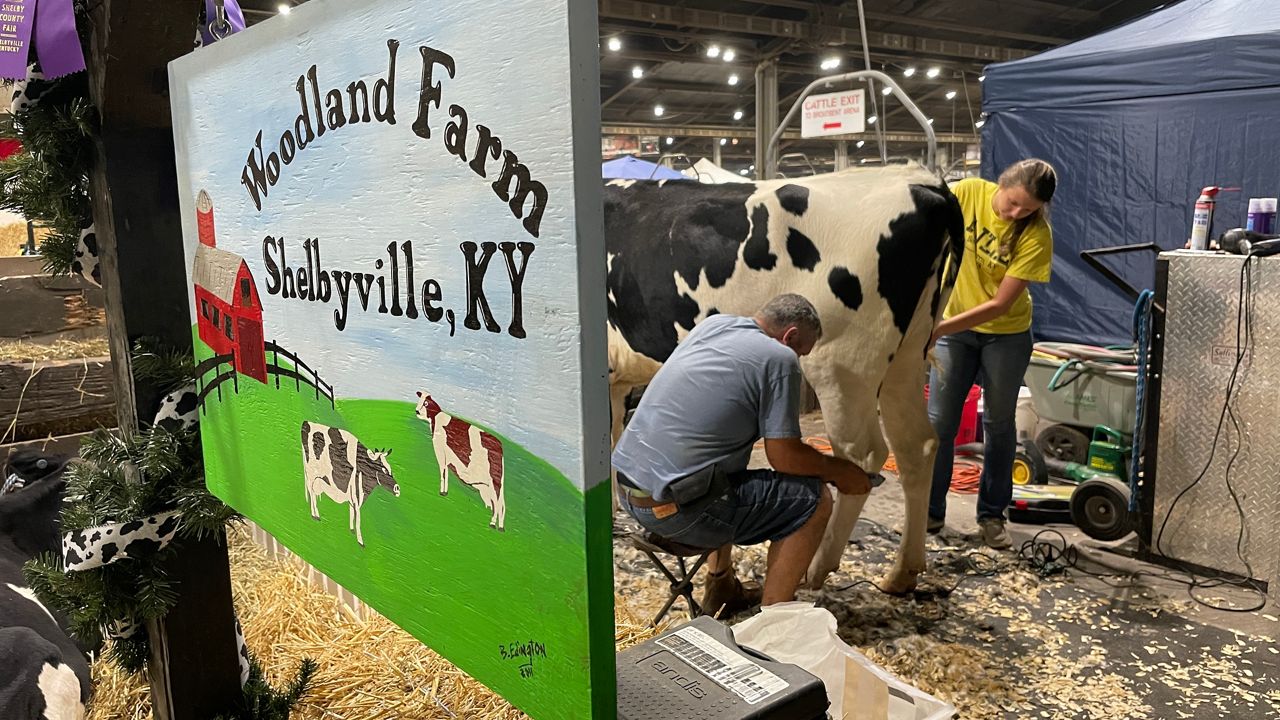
(442, 494)
(903, 585)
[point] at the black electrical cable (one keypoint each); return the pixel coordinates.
(1244, 341)
(1047, 558)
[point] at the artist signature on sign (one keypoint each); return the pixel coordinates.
(525, 651)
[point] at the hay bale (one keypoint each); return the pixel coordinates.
(63, 349)
(369, 669)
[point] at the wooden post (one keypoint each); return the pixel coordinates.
(194, 669)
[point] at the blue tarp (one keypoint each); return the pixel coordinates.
(1137, 120)
(633, 168)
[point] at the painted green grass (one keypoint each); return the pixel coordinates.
(430, 563)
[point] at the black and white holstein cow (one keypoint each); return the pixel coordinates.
(336, 464)
(866, 247)
(44, 675)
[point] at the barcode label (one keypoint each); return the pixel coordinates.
(730, 670)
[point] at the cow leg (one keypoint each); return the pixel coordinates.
(355, 513)
(617, 412)
(444, 468)
(351, 517)
(854, 430)
(312, 497)
(914, 443)
(486, 496)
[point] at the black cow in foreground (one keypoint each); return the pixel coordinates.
(43, 674)
(867, 247)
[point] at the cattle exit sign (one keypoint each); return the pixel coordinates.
(396, 264)
(837, 113)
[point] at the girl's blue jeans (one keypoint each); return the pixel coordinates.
(1000, 362)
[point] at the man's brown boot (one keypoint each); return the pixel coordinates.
(723, 595)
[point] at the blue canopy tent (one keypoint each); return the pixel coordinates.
(632, 168)
(1137, 120)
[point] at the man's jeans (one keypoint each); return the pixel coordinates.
(1002, 361)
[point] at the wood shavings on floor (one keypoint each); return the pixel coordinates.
(1016, 645)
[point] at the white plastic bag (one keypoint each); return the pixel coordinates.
(858, 689)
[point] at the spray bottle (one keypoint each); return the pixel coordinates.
(1202, 219)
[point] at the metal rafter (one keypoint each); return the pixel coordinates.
(824, 34)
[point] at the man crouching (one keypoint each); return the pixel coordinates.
(682, 459)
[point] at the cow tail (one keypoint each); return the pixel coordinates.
(955, 228)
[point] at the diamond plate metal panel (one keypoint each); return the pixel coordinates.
(1200, 353)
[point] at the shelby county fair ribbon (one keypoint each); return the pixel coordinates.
(53, 25)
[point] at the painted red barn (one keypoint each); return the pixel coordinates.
(227, 305)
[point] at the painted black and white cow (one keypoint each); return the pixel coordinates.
(337, 465)
(866, 247)
(45, 675)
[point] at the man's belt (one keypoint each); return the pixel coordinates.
(638, 497)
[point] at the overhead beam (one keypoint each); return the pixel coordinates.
(818, 10)
(745, 57)
(746, 133)
(961, 28)
(683, 17)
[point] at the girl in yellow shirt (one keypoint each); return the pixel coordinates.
(986, 330)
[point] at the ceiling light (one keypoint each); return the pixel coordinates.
(733, 79)
(861, 143)
(872, 120)
(951, 94)
(930, 121)
(886, 90)
(909, 71)
(737, 114)
(615, 44)
(637, 72)
(743, 171)
(670, 140)
(830, 63)
(729, 55)
(713, 51)
(863, 161)
(979, 124)
(658, 110)
(285, 8)
(724, 141)
(982, 78)
(933, 72)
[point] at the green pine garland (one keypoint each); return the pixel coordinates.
(48, 184)
(263, 702)
(122, 477)
(132, 477)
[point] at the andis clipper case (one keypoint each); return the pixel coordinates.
(698, 672)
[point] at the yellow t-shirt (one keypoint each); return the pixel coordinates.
(986, 262)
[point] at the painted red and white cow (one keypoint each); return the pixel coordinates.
(472, 454)
(867, 247)
(337, 465)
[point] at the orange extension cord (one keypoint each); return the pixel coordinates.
(966, 473)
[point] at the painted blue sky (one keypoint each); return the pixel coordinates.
(362, 186)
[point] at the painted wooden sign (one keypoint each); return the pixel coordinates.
(392, 220)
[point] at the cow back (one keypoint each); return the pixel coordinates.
(861, 245)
